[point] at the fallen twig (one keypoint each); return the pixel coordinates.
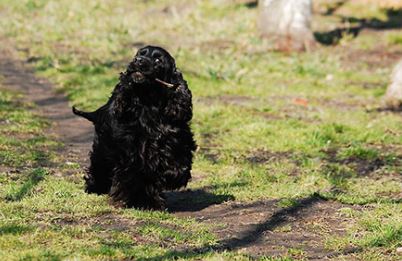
(169, 85)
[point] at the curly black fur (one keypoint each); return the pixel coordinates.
(143, 143)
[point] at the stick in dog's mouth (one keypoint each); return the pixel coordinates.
(169, 85)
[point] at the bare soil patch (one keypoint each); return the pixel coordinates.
(263, 156)
(367, 166)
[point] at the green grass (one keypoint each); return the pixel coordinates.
(22, 141)
(257, 140)
(16, 193)
(376, 229)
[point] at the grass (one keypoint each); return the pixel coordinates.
(18, 192)
(269, 125)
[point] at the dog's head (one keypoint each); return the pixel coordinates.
(150, 63)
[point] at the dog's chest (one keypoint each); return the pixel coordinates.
(145, 137)
(140, 123)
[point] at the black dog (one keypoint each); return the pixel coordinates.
(143, 143)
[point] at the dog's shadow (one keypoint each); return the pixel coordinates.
(193, 200)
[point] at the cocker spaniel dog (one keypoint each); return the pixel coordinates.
(143, 143)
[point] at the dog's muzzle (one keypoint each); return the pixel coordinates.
(143, 64)
(138, 77)
(143, 68)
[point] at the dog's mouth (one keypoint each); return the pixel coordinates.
(138, 77)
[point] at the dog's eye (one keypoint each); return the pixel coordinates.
(143, 52)
(157, 60)
(156, 54)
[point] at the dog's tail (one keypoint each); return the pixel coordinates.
(91, 116)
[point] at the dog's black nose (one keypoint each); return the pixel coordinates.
(142, 63)
(139, 61)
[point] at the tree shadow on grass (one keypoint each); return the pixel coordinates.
(250, 4)
(277, 219)
(34, 178)
(250, 236)
(14, 229)
(393, 21)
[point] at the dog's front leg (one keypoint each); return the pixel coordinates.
(134, 190)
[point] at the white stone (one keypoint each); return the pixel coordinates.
(393, 96)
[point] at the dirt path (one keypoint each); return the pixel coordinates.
(258, 228)
(74, 132)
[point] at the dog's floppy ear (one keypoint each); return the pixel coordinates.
(91, 116)
(177, 76)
